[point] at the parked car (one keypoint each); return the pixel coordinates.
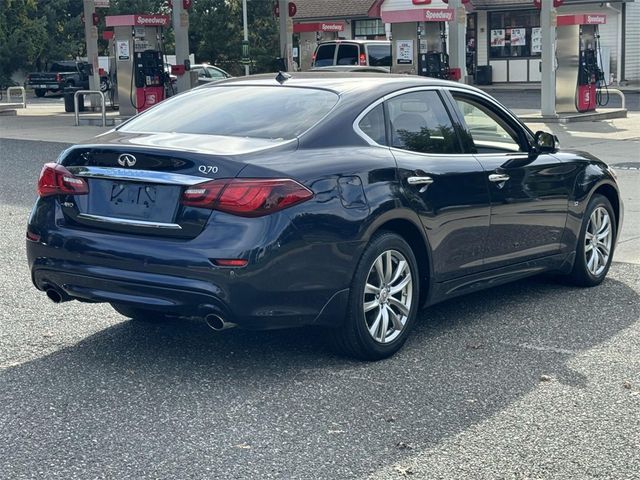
(62, 74)
(370, 53)
(336, 200)
(208, 73)
(351, 68)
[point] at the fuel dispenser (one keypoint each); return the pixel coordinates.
(433, 60)
(139, 56)
(579, 76)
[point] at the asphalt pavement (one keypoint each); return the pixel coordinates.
(533, 380)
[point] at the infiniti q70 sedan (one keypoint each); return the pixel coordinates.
(347, 201)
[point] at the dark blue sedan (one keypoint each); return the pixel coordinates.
(338, 200)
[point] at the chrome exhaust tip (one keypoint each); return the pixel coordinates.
(217, 323)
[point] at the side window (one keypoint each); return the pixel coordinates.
(201, 72)
(324, 55)
(213, 73)
(420, 123)
(372, 125)
(379, 55)
(348, 54)
(489, 132)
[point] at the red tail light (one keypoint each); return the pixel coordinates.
(246, 197)
(57, 180)
(58, 77)
(363, 59)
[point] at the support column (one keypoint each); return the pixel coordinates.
(286, 40)
(181, 31)
(458, 38)
(548, 22)
(91, 38)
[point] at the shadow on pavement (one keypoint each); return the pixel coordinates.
(179, 401)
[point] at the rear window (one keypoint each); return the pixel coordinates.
(63, 67)
(379, 55)
(324, 55)
(348, 54)
(276, 113)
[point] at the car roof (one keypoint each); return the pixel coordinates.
(349, 83)
(374, 42)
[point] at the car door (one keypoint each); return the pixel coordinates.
(529, 193)
(348, 54)
(444, 185)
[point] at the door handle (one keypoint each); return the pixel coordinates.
(498, 177)
(419, 180)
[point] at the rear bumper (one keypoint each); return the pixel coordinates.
(287, 283)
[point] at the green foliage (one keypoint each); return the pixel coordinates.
(33, 33)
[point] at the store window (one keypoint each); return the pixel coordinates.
(368, 29)
(514, 34)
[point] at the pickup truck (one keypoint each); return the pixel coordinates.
(62, 74)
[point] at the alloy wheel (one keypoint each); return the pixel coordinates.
(598, 240)
(388, 295)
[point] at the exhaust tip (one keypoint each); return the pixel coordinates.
(215, 322)
(54, 295)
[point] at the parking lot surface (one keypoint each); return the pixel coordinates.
(529, 380)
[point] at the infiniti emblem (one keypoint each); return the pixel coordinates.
(126, 160)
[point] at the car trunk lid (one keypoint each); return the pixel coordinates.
(136, 181)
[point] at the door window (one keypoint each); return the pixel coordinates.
(489, 132)
(215, 73)
(324, 55)
(348, 54)
(379, 55)
(421, 123)
(372, 125)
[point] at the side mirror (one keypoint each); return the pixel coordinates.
(545, 142)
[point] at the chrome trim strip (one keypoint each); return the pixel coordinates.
(132, 175)
(130, 223)
(467, 90)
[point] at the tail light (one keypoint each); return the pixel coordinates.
(313, 59)
(57, 180)
(246, 197)
(363, 59)
(58, 77)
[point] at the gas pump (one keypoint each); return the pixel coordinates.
(140, 69)
(150, 79)
(579, 76)
(590, 76)
(433, 60)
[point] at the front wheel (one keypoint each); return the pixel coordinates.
(383, 301)
(595, 243)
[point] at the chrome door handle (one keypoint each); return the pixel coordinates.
(419, 180)
(498, 177)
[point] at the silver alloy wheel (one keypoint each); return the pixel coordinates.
(597, 241)
(388, 294)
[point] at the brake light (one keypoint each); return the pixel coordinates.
(58, 77)
(57, 180)
(363, 59)
(246, 197)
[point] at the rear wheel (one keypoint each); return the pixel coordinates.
(383, 301)
(140, 314)
(40, 92)
(595, 244)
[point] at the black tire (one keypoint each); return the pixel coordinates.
(40, 92)
(140, 314)
(353, 337)
(581, 275)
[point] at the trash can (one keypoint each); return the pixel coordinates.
(69, 92)
(484, 75)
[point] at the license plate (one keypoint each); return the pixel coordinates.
(133, 200)
(42, 86)
(134, 197)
